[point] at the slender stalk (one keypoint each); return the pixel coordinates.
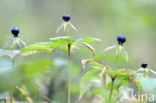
(69, 74)
(144, 72)
(111, 91)
(67, 30)
(12, 82)
(113, 78)
(117, 57)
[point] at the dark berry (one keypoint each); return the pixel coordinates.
(15, 31)
(121, 39)
(144, 65)
(66, 17)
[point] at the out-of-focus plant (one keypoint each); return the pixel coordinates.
(65, 43)
(145, 70)
(66, 23)
(111, 79)
(146, 78)
(14, 43)
(32, 74)
(25, 94)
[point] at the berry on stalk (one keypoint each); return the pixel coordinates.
(15, 31)
(121, 39)
(144, 65)
(66, 17)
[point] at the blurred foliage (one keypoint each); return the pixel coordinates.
(42, 76)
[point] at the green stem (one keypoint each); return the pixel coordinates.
(12, 82)
(69, 74)
(67, 30)
(113, 78)
(144, 72)
(112, 87)
(116, 59)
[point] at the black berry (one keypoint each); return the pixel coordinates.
(15, 31)
(66, 17)
(121, 39)
(144, 65)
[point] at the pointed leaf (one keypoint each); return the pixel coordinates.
(59, 28)
(125, 54)
(89, 40)
(61, 38)
(36, 48)
(152, 71)
(72, 26)
(87, 46)
(117, 50)
(48, 44)
(65, 26)
(109, 71)
(110, 48)
(60, 44)
(103, 78)
(93, 62)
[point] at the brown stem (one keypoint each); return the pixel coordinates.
(69, 50)
(69, 75)
(112, 87)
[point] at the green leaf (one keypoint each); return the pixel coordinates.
(118, 48)
(64, 46)
(87, 46)
(125, 72)
(123, 76)
(94, 62)
(120, 72)
(60, 44)
(125, 54)
(35, 68)
(103, 78)
(109, 85)
(109, 71)
(72, 26)
(99, 91)
(60, 27)
(120, 81)
(36, 48)
(110, 48)
(29, 73)
(49, 44)
(121, 52)
(75, 89)
(89, 40)
(85, 81)
(61, 38)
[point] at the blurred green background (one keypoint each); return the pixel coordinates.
(104, 19)
(39, 19)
